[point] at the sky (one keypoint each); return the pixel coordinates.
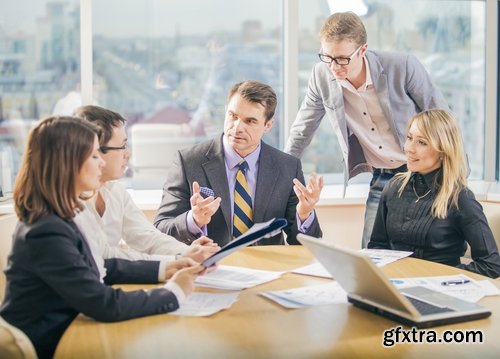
(153, 18)
(126, 18)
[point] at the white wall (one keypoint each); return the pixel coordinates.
(343, 224)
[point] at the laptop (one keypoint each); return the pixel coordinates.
(368, 288)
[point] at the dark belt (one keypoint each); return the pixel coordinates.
(391, 171)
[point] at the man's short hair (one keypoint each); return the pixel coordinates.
(103, 118)
(256, 92)
(344, 26)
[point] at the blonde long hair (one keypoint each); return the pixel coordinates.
(441, 129)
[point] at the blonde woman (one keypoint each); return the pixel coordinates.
(429, 210)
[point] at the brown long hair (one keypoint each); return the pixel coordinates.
(56, 150)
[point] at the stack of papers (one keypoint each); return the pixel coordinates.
(200, 304)
(321, 294)
(235, 278)
(469, 290)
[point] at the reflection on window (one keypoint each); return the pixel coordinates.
(169, 72)
(158, 62)
(449, 39)
(39, 65)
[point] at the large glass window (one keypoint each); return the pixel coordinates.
(39, 71)
(447, 36)
(167, 67)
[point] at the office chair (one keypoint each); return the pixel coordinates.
(14, 344)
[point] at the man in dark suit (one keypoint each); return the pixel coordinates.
(273, 178)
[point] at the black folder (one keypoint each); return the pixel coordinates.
(257, 232)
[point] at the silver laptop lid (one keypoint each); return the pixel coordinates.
(358, 275)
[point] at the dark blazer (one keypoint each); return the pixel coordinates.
(204, 163)
(52, 276)
(402, 223)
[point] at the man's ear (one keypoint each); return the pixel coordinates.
(364, 48)
(269, 124)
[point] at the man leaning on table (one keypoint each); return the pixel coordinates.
(368, 96)
(244, 180)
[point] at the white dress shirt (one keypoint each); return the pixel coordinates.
(366, 119)
(122, 219)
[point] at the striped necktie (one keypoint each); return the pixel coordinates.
(243, 213)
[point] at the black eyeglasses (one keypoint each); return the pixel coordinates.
(342, 61)
(106, 149)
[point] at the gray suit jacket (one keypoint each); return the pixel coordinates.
(204, 163)
(403, 86)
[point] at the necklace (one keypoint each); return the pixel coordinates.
(419, 197)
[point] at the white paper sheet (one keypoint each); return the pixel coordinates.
(321, 294)
(235, 278)
(381, 257)
(199, 304)
(472, 291)
(314, 269)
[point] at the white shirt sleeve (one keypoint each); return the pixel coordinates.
(161, 271)
(178, 292)
(135, 229)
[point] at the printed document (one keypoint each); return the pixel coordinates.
(469, 290)
(235, 278)
(381, 257)
(320, 294)
(199, 304)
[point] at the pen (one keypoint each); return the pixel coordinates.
(455, 282)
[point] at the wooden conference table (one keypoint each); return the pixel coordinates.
(255, 327)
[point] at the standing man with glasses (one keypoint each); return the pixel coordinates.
(368, 96)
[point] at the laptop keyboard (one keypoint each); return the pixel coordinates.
(426, 308)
